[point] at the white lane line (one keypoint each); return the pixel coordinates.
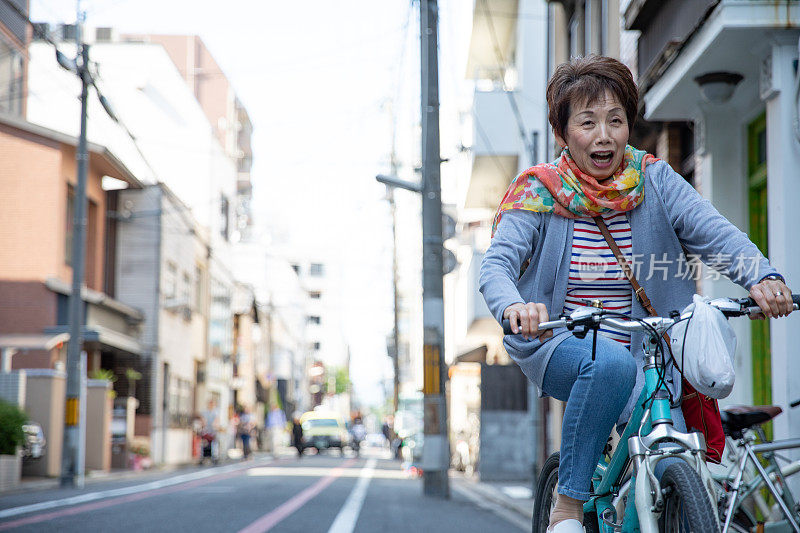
(93, 496)
(348, 516)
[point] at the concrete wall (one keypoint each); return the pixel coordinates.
(44, 398)
(178, 448)
(98, 425)
(12, 388)
(507, 446)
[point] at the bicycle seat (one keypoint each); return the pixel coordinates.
(737, 418)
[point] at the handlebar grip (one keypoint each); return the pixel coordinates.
(749, 302)
(794, 403)
(507, 327)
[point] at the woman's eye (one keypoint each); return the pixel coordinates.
(586, 123)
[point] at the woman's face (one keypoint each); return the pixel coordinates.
(596, 135)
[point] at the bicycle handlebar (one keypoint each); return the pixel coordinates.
(590, 316)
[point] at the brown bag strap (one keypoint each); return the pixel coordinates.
(626, 269)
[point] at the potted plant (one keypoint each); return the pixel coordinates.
(107, 375)
(12, 418)
(140, 454)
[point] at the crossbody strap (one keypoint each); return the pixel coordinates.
(626, 269)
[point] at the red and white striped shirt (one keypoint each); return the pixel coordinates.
(594, 273)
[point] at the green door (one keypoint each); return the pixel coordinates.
(757, 198)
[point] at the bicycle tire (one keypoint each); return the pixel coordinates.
(543, 499)
(687, 506)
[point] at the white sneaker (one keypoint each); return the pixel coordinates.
(567, 526)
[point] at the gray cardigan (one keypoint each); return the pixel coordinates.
(672, 213)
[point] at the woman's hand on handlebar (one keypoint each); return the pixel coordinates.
(773, 297)
(525, 319)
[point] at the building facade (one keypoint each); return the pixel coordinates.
(729, 68)
(39, 179)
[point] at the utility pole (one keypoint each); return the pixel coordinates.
(436, 448)
(396, 303)
(74, 445)
(72, 452)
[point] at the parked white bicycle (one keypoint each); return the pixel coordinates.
(742, 482)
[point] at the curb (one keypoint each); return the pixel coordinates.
(524, 510)
(96, 476)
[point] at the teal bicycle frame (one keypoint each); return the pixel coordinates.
(647, 426)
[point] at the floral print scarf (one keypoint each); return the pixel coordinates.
(562, 188)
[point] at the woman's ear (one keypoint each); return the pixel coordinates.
(560, 140)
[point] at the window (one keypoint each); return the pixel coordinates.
(11, 69)
(315, 295)
(317, 345)
(180, 402)
(316, 269)
(170, 281)
(186, 289)
(296, 268)
(198, 289)
(312, 319)
(224, 212)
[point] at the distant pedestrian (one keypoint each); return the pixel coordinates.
(245, 430)
(297, 436)
(276, 422)
(387, 431)
(209, 432)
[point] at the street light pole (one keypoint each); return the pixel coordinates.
(435, 453)
(72, 451)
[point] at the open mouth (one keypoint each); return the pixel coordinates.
(602, 159)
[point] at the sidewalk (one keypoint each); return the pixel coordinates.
(513, 496)
(30, 484)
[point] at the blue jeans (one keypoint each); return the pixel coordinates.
(596, 393)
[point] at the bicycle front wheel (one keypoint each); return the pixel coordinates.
(687, 507)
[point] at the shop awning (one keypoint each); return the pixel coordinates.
(32, 341)
(105, 337)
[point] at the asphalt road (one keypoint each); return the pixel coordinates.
(318, 493)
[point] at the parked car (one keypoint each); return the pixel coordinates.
(34, 445)
(323, 430)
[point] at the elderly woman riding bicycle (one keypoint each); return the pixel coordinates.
(554, 215)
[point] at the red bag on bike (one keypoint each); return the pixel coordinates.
(701, 413)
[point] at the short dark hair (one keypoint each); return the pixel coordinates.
(586, 79)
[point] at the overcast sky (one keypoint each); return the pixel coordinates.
(318, 79)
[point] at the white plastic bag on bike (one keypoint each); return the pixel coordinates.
(704, 348)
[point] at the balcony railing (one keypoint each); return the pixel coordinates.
(665, 26)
